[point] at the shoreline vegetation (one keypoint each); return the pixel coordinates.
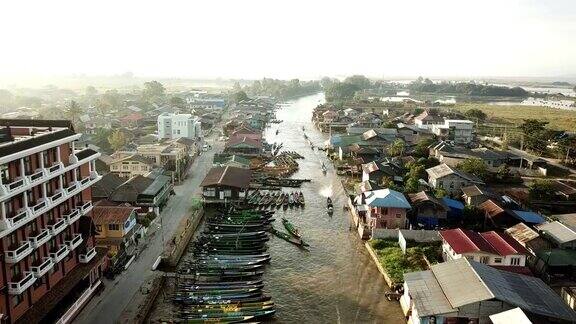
(395, 263)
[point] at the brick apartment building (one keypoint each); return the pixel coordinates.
(49, 266)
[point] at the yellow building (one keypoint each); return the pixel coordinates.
(130, 166)
(116, 227)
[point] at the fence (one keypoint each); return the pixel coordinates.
(416, 235)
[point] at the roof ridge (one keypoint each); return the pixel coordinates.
(500, 238)
(223, 174)
(480, 278)
(468, 238)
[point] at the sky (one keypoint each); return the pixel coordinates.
(288, 38)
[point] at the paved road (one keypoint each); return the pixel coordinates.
(108, 306)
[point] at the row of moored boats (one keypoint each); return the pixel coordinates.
(226, 268)
(264, 200)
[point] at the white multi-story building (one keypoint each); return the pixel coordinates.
(179, 125)
(457, 130)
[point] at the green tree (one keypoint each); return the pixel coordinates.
(536, 135)
(503, 172)
(421, 149)
(397, 148)
(178, 102)
(117, 140)
(474, 166)
(112, 98)
(239, 96)
(73, 111)
(412, 185)
(90, 91)
(153, 89)
(340, 91)
(542, 190)
(100, 138)
(360, 81)
(476, 114)
(440, 192)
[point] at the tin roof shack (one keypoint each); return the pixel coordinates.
(560, 235)
(528, 237)
(459, 131)
(103, 189)
(475, 195)
(150, 195)
(412, 134)
(427, 210)
(491, 248)
(226, 184)
(116, 227)
(463, 290)
(231, 160)
(451, 179)
(376, 171)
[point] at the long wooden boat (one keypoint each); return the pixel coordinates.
(242, 282)
(291, 228)
(288, 238)
(218, 287)
(215, 292)
(219, 316)
(243, 234)
(228, 301)
(226, 309)
(228, 305)
(301, 198)
(232, 318)
(232, 256)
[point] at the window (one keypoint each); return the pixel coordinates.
(125, 167)
(15, 271)
(143, 168)
(514, 261)
(451, 185)
(484, 259)
(398, 215)
(113, 227)
(13, 239)
(210, 192)
(4, 173)
(115, 167)
(55, 268)
(497, 260)
(178, 131)
(440, 184)
(227, 193)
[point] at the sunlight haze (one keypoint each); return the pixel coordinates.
(286, 39)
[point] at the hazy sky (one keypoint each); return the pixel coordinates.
(289, 38)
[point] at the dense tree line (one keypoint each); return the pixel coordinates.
(281, 89)
(466, 88)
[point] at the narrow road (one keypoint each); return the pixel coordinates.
(108, 306)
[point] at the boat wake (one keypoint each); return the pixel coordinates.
(326, 191)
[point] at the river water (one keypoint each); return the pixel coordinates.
(335, 281)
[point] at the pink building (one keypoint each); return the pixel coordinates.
(383, 208)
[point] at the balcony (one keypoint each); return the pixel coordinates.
(58, 255)
(85, 181)
(40, 238)
(73, 216)
(57, 196)
(39, 206)
(18, 219)
(15, 185)
(71, 188)
(19, 253)
(57, 227)
(88, 255)
(73, 242)
(55, 168)
(42, 268)
(86, 207)
(19, 286)
(36, 176)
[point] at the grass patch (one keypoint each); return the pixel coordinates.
(515, 114)
(396, 263)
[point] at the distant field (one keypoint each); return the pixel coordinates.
(558, 119)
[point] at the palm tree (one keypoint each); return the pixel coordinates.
(73, 111)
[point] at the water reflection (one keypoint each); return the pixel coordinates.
(335, 281)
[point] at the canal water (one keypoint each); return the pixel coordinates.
(335, 281)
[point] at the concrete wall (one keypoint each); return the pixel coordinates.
(416, 235)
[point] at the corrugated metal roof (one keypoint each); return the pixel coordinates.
(427, 294)
(461, 285)
(386, 198)
(558, 232)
